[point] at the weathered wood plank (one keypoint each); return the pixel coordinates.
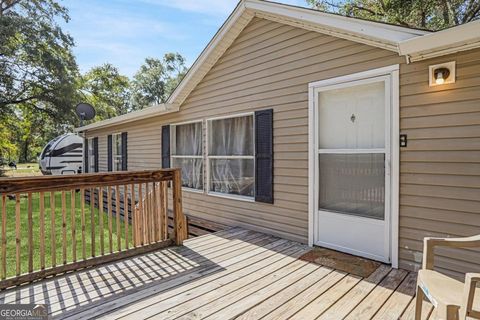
(126, 221)
(17, 233)
(92, 220)
(109, 214)
(117, 216)
(228, 243)
(409, 313)
(42, 230)
(30, 232)
(248, 296)
(276, 301)
(53, 246)
(394, 307)
(73, 225)
(82, 221)
(323, 302)
(231, 282)
(349, 301)
(173, 298)
(228, 253)
(370, 305)
(81, 264)
(58, 183)
(64, 227)
(303, 299)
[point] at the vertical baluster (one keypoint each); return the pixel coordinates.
(64, 227)
(109, 201)
(155, 211)
(134, 215)
(4, 236)
(160, 211)
(152, 214)
(125, 213)
(140, 215)
(52, 226)
(30, 232)
(17, 231)
(117, 215)
(179, 222)
(42, 230)
(82, 206)
(74, 231)
(92, 219)
(147, 213)
(100, 218)
(165, 208)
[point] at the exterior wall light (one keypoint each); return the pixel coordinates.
(442, 74)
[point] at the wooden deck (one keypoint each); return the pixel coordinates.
(230, 274)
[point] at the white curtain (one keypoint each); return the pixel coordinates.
(188, 139)
(187, 143)
(353, 184)
(231, 151)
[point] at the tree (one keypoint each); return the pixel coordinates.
(157, 79)
(107, 90)
(429, 14)
(37, 67)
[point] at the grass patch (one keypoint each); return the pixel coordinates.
(23, 170)
(58, 248)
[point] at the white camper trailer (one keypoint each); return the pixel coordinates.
(62, 155)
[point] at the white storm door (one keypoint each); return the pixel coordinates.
(352, 175)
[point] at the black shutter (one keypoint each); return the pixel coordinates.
(124, 152)
(264, 156)
(166, 146)
(85, 155)
(95, 153)
(109, 152)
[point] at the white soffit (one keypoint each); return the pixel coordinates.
(460, 38)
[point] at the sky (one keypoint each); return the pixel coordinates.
(125, 32)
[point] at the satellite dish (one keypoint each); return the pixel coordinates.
(84, 111)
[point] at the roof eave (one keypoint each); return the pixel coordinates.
(448, 41)
(152, 111)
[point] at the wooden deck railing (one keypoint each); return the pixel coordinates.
(55, 224)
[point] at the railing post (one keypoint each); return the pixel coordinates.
(179, 225)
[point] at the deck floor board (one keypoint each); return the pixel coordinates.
(229, 274)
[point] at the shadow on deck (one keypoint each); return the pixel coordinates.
(234, 273)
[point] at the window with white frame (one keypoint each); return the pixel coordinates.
(187, 153)
(117, 151)
(91, 155)
(230, 157)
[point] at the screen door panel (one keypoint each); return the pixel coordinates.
(352, 150)
(353, 184)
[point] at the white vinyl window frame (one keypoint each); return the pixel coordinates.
(117, 154)
(91, 156)
(202, 156)
(211, 157)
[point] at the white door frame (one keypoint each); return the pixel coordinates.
(393, 73)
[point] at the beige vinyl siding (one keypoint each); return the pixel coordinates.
(268, 66)
(440, 168)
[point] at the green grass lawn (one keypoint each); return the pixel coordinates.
(11, 245)
(23, 170)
